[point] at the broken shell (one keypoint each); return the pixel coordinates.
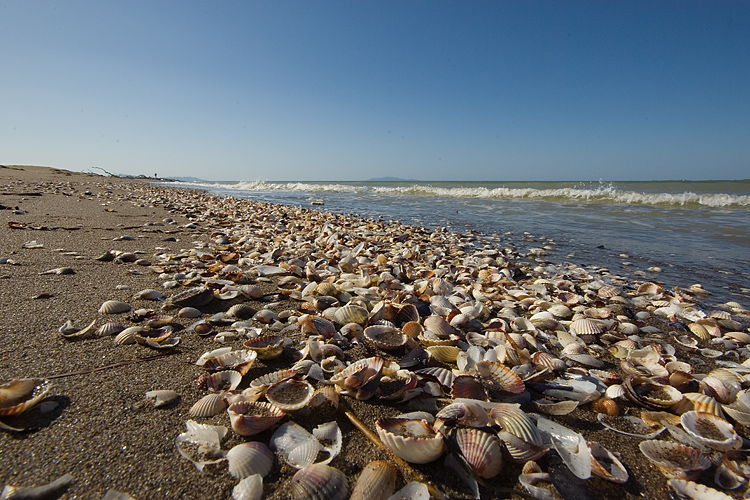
(290, 395)
(251, 417)
(376, 482)
(630, 426)
(605, 464)
(113, 307)
(226, 380)
(192, 297)
(482, 450)
(267, 346)
(694, 491)
(240, 361)
(162, 397)
(415, 441)
(550, 407)
(319, 482)
(674, 460)
(19, 395)
(250, 458)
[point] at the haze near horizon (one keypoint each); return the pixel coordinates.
(507, 91)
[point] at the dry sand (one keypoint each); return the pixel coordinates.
(99, 427)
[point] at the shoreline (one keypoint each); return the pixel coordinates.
(99, 427)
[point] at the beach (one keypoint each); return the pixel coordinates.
(101, 429)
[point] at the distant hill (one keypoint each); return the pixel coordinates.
(390, 179)
(189, 179)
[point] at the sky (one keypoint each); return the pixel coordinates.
(351, 90)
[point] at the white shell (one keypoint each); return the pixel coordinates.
(711, 430)
(113, 307)
(208, 406)
(162, 397)
(412, 440)
(250, 458)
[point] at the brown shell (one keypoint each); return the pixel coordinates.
(266, 346)
(251, 417)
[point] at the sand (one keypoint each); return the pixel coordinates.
(98, 426)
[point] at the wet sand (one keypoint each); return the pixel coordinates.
(98, 426)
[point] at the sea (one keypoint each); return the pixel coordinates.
(678, 233)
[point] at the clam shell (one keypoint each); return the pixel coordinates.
(711, 430)
(385, 337)
(290, 395)
(208, 406)
(630, 426)
(359, 373)
(512, 420)
(113, 307)
(251, 417)
(316, 325)
(189, 312)
(694, 491)
(319, 482)
(650, 394)
(499, 377)
(19, 395)
(468, 387)
(266, 346)
(586, 326)
(605, 464)
(149, 294)
(415, 441)
(350, 313)
(192, 297)
(466, 414)
(110, 328)
(444, 353)
(250, 458)
(443, 376)
(376, 482)
(127, 336)
(674, 460)
(272, 378)
(439, 325)
(551, 407)
(482, 450)
(242, 311)
(226, 380)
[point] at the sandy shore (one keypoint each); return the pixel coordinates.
(98, 426)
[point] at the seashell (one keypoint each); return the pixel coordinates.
(359, 373)
(316, 325)
(149, 294)
(605, 464)
(674, 460)
(443, 353)
(650, 394)
(272, 378)
(466, 414)
(407, 313)
(147, 335)
(439, 326)
(609, 291)
(266, 346)
(201, 444)
(415, 441)
(429, 339)
(561, 311)
(376, 482)
(384, 337)
(189, 312)
(251, 417)
(711, 430)
(110, 328)
(605, 405)
(482, 451)
(528, 443)
(350, 313)
(241, 311)
(497, 376)
(326, 288)
(468, 387)
(550, 407)
(544, 320)
(630, 426)
(319, 482)
(208, 406)
(265, 316)
(162, 397)
(570, 445)
(299, 448)
(650, 288)
(290, 395)
(542, 359)
(695, 401)
(693, 491)
(127, 336)
(240, 361)
(443, 376)
(586, 327)
(192, 297)
(226, 380)
(250, 458)
(521, 324)
(19, 395)
(69, 331)
(113, 307)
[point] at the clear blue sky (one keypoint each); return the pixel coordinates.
(432, 90)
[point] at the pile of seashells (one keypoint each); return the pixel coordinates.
(486, 347)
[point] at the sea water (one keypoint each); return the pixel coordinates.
(693, 231)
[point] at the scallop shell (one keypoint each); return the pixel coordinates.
(415, 441)
(376, 482)
(113, 307)
(499, 377)
(695, 401)
(240, 361)
(149, 294)
(440, 326)
(469, 414)
(266, 346)
(650, 394)
(384, 337)
(226, 380)
(290, 395)
(586, 327)
(650, 289)
(192, 297)
(319, 482)
(315, 325)
(482, 450)
(350, 313)
(711, 430)
(19, 395)
(127, 336)
(110, 328)
(249, 458)
(208, 406)
(468, 387)
(251, 417)
(529, 444)
(694, 491)
(272, 378)
(443, 376)
(359, 373)
(674, 460)
(444, 353)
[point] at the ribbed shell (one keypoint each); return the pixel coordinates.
(515, 421)
(208, 406)
(376, 482)
(226, 380)
(250, 458)
(605, 464)
(444, 353)
(110, 328)
(267, 346)
(689, 489)
(19, 395)
(468, 387)
(242, 311)
(290, 395)
(499, 377)
(127, 336)
(189, 312)
(674, 460)
(384, 337)
(650, 394)
(443, 376)
(466, 414)
(412, 440)
(550, 407)
(438, 325)
(482, 450)
(319, 482)
(711, 430)
(273, 378)
(358, 373)
(113, 307)
(249, 418)
(240, 361)
(586, 326)
(350, 313)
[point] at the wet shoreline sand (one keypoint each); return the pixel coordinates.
(98, 426)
